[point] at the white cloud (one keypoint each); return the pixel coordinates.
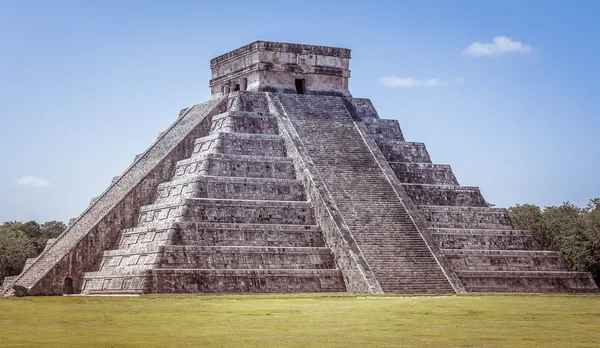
(409, 82)
(33, 181)
(498, 46)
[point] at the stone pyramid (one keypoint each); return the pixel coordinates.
(283, 182)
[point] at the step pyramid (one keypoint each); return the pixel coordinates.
(283, 182)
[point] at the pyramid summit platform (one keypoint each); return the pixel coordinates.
(284, 182)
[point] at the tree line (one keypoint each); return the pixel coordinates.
(22, 240)
(572, 230)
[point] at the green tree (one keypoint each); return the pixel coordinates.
(529, 217)
(573, 231)
(22, 240)
(15, 248)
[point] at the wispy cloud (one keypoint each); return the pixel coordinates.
(33, 181)
(498, 46)
(409, 82)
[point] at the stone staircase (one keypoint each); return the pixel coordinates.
(378, 220)
(233, 219)
(484, 250)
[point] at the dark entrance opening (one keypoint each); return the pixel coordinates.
(68, 287)
(237, 87)
(300, 86)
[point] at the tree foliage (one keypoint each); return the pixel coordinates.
(567, 228)
(22, 240)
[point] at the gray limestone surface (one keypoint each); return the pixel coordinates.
(284, 182)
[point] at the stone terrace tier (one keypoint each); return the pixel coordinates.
(234, 218)
(387, 237)
(481, 245)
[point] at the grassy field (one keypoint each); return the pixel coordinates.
(335, 320)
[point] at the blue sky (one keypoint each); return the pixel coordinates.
(85, 86)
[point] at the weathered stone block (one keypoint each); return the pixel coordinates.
(445, 195)
(505, 260)
(485, 239)
(245, 257)
(528, 282)
(401, 151)
(466, 217)
(240, 144)
(245, 281)
(245, 123)
(227, 234)
(241, 211)
(424, 173)
(236, 166)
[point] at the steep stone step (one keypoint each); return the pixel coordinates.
(485, 239)
(466, 217)
(505, 260)
(232, 188)
(240, 144)
(528, 282)
(224, 234)
(445, 195)
(249, 211)
(424, 173)
(367, 202)
(401, 151)
(244, 122)
(236, 166)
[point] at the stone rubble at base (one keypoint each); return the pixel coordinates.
(283, 182)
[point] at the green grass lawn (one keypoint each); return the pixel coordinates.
(335, 320)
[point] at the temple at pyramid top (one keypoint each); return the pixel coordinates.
(281, 67)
